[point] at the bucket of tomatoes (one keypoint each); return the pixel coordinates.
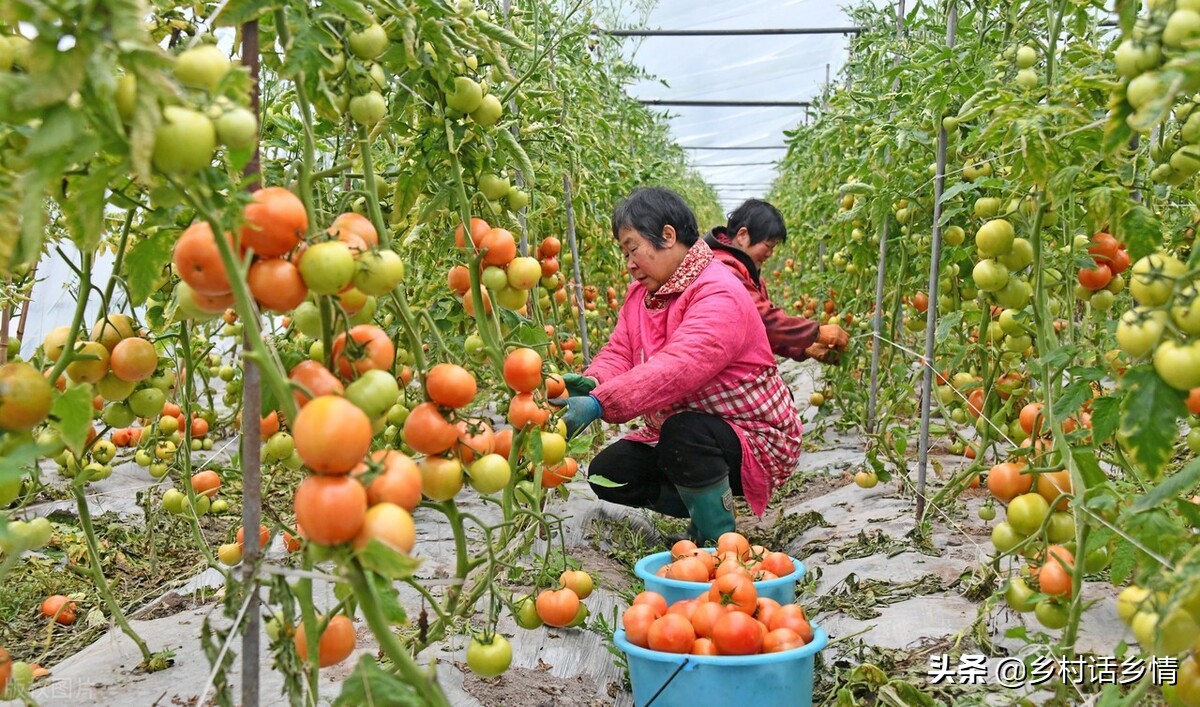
(726, 641)
(684, 571)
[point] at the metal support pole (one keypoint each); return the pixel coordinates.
(251, 435)
(583, 333)
(939, 185)
(881, 270)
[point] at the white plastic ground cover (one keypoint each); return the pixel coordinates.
(731, 68)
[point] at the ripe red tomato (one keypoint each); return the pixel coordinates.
(373, 350)
(705, 617)
(654, 599)
(274, 222)
(779, 563)
(688, 569)
(523, 370)
(557, 607)
(450, 385)
(792, 616)
(671, 633)
(1104, 248)
(735, 543)
(636, 621)
(735, 591)
(781, 639)
(1096, 278)
(737, 633)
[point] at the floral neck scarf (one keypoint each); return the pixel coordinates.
(698, 256)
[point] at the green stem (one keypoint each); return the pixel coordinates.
(462, 557)
(410, 325)
(185, 343)
(68, 353)
(120, 258)
(424, 681)
(333, 171)
(93, 549)
(364, 149)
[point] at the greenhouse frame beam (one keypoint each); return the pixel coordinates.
(734, 147)
(759, 104)
(729, 32)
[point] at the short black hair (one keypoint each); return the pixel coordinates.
(648, 209)
(760, 219)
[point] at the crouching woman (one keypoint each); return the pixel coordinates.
(690, 356)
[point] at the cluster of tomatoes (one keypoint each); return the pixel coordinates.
(1166, 322)
(1160, 35)
(505, 276)
(1100, 284)
(187, 139)
(690, 563)
(285, 269)
(729, 618)
(1039, 525)
(1001, 257)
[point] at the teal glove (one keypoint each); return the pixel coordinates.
(581, 411)
(578, 385)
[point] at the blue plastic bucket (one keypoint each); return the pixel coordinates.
(782, 589)
(783, 679)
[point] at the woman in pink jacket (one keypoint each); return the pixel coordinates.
(690, 356)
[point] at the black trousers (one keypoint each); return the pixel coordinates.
(693, 451)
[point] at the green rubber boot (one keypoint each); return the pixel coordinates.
(711, 508)
(669, 502)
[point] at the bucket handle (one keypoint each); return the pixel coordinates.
(654, 697)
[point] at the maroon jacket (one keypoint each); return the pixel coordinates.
(789, 336)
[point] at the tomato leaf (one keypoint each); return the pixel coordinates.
(1106, 415)
(84, 205)
(1141, 230)
(947, 325)
(145, 262)
(500, 34)
(1158, 531)
(957, 189)
(371, 685)
(1170, 488)
(518, 154)
(1117, 132)
(605, 482)
(56, 75)
(15, 463)
(1122, 562)
(1071, 398)
(1062, 183)
(1149, 415)
(1089, 468)
(389, 600)
(380, 558)
(351, 10)
(72, 411)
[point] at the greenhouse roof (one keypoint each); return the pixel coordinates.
(784, 69)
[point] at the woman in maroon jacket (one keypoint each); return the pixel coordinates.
(744, 244)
